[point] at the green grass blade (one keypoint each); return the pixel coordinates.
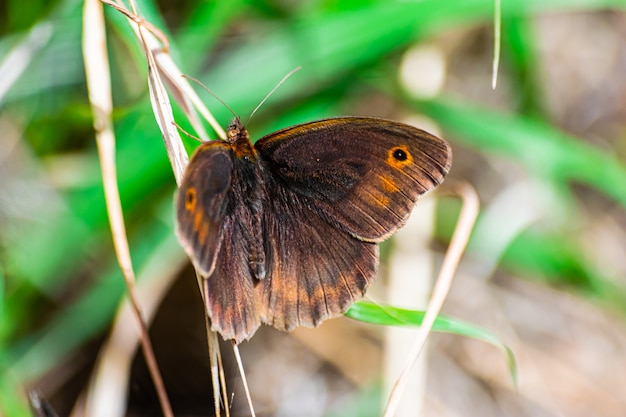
(544, 150)
(373, 313)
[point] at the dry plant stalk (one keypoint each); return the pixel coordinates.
(162, 70)
(99, 86)
(497, 40)
(460, 238)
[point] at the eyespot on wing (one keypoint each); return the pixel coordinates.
(201, 204)
(363, 174)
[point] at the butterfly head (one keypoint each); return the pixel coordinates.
(236, 131)
(238, 137)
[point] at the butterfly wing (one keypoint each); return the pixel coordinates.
(335, 187)
(211, 222)
(363, 175)
(201, 204)
(315, 271)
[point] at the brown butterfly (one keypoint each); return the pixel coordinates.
(286, 231)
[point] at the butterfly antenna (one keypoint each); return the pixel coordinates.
(179, 127)
(212, 93)
(289, 74)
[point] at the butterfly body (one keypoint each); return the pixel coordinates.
(285, 231)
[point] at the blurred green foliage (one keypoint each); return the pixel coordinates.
(60, 281)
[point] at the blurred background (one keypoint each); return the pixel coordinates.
(545, 269)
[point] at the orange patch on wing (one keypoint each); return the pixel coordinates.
(197, 221)
(383, 201)
(204, 231)
(190, 199)
(378, 198)
(389, 185)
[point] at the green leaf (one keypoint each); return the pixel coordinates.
(385, 315)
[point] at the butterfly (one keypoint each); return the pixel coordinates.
(285, 232)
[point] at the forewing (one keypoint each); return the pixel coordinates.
(201, 204)
(315, 270)
(363, 174)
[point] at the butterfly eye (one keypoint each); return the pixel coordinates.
(400, 154)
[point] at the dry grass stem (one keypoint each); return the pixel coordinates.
(173, 76)
(243, 378)
(161, 70)
(99, 86)
(108, 391)
(218, 379)
(497, 41)
(467, 218)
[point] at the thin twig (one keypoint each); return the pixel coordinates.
(497, 41)
(161, 68)
(220, 367)
(214, 353)
(167, 68)
(99, 86)
(140, 22)
(467, 218)
(243, 377)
